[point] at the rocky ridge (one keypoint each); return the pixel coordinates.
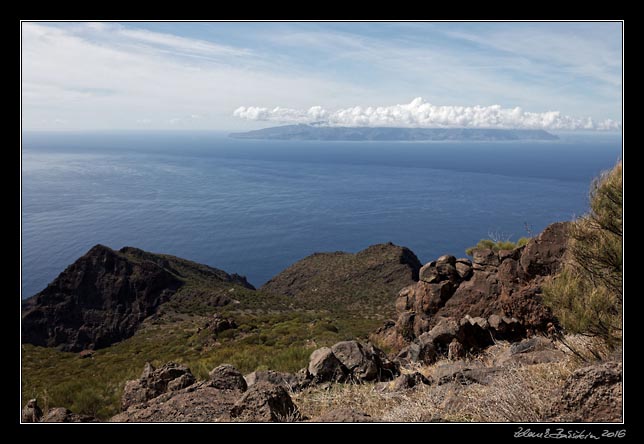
(367, 280)
(105, 295)
(460, 306)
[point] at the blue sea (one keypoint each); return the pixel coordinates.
(255, 207)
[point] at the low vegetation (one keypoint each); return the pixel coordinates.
(497, 245)
(264, 339)
(587, 295)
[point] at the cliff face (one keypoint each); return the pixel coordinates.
(102, 298)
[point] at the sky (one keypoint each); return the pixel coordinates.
(247, 75)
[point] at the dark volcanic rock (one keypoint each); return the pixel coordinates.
(104, 296)
(197, 403)
(153, 382)
(264, 402)
(407, 381)
(171, 394)
(496, 296)
(542, 255)
(227, 377)
(98, 300)
(591, 394)
(351, 360)
(367, 280)
(324, 366)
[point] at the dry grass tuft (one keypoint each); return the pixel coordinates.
(516, 394)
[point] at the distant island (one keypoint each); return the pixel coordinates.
(315, 132)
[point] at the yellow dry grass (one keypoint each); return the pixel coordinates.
(517, 394)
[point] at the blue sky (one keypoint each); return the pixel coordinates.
(113, 75)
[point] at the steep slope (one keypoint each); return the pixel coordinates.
(104, 296)
(367, 281)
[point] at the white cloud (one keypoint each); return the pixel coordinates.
(421, 114)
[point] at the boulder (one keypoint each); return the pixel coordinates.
(463, 268)
(227, 377)
(343, 414)
(264, 402)
(473, 333)
(364, 363)
(153, 382)
(218, 324)
(360, 363)
(444, 268)
(198, 403)
(31, 412)
(503, 327)
(485, 258)
(591, 394)
(324, 366)
(407, 381)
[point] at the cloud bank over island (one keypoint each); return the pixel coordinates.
(422, 114)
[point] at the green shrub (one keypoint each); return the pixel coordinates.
(586, 296)
(489, 244)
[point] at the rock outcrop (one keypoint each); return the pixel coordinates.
(104, 296)
(350, 361)
(591, 394)
(463, 306)
(265, 402)
(224, 397)
(154, 382)
(367, 280)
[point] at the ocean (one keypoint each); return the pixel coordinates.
(254, 207)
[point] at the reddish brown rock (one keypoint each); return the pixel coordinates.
(542, 255)
(153, 382)
(591, 394)
(264, 402)
(500, 291)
